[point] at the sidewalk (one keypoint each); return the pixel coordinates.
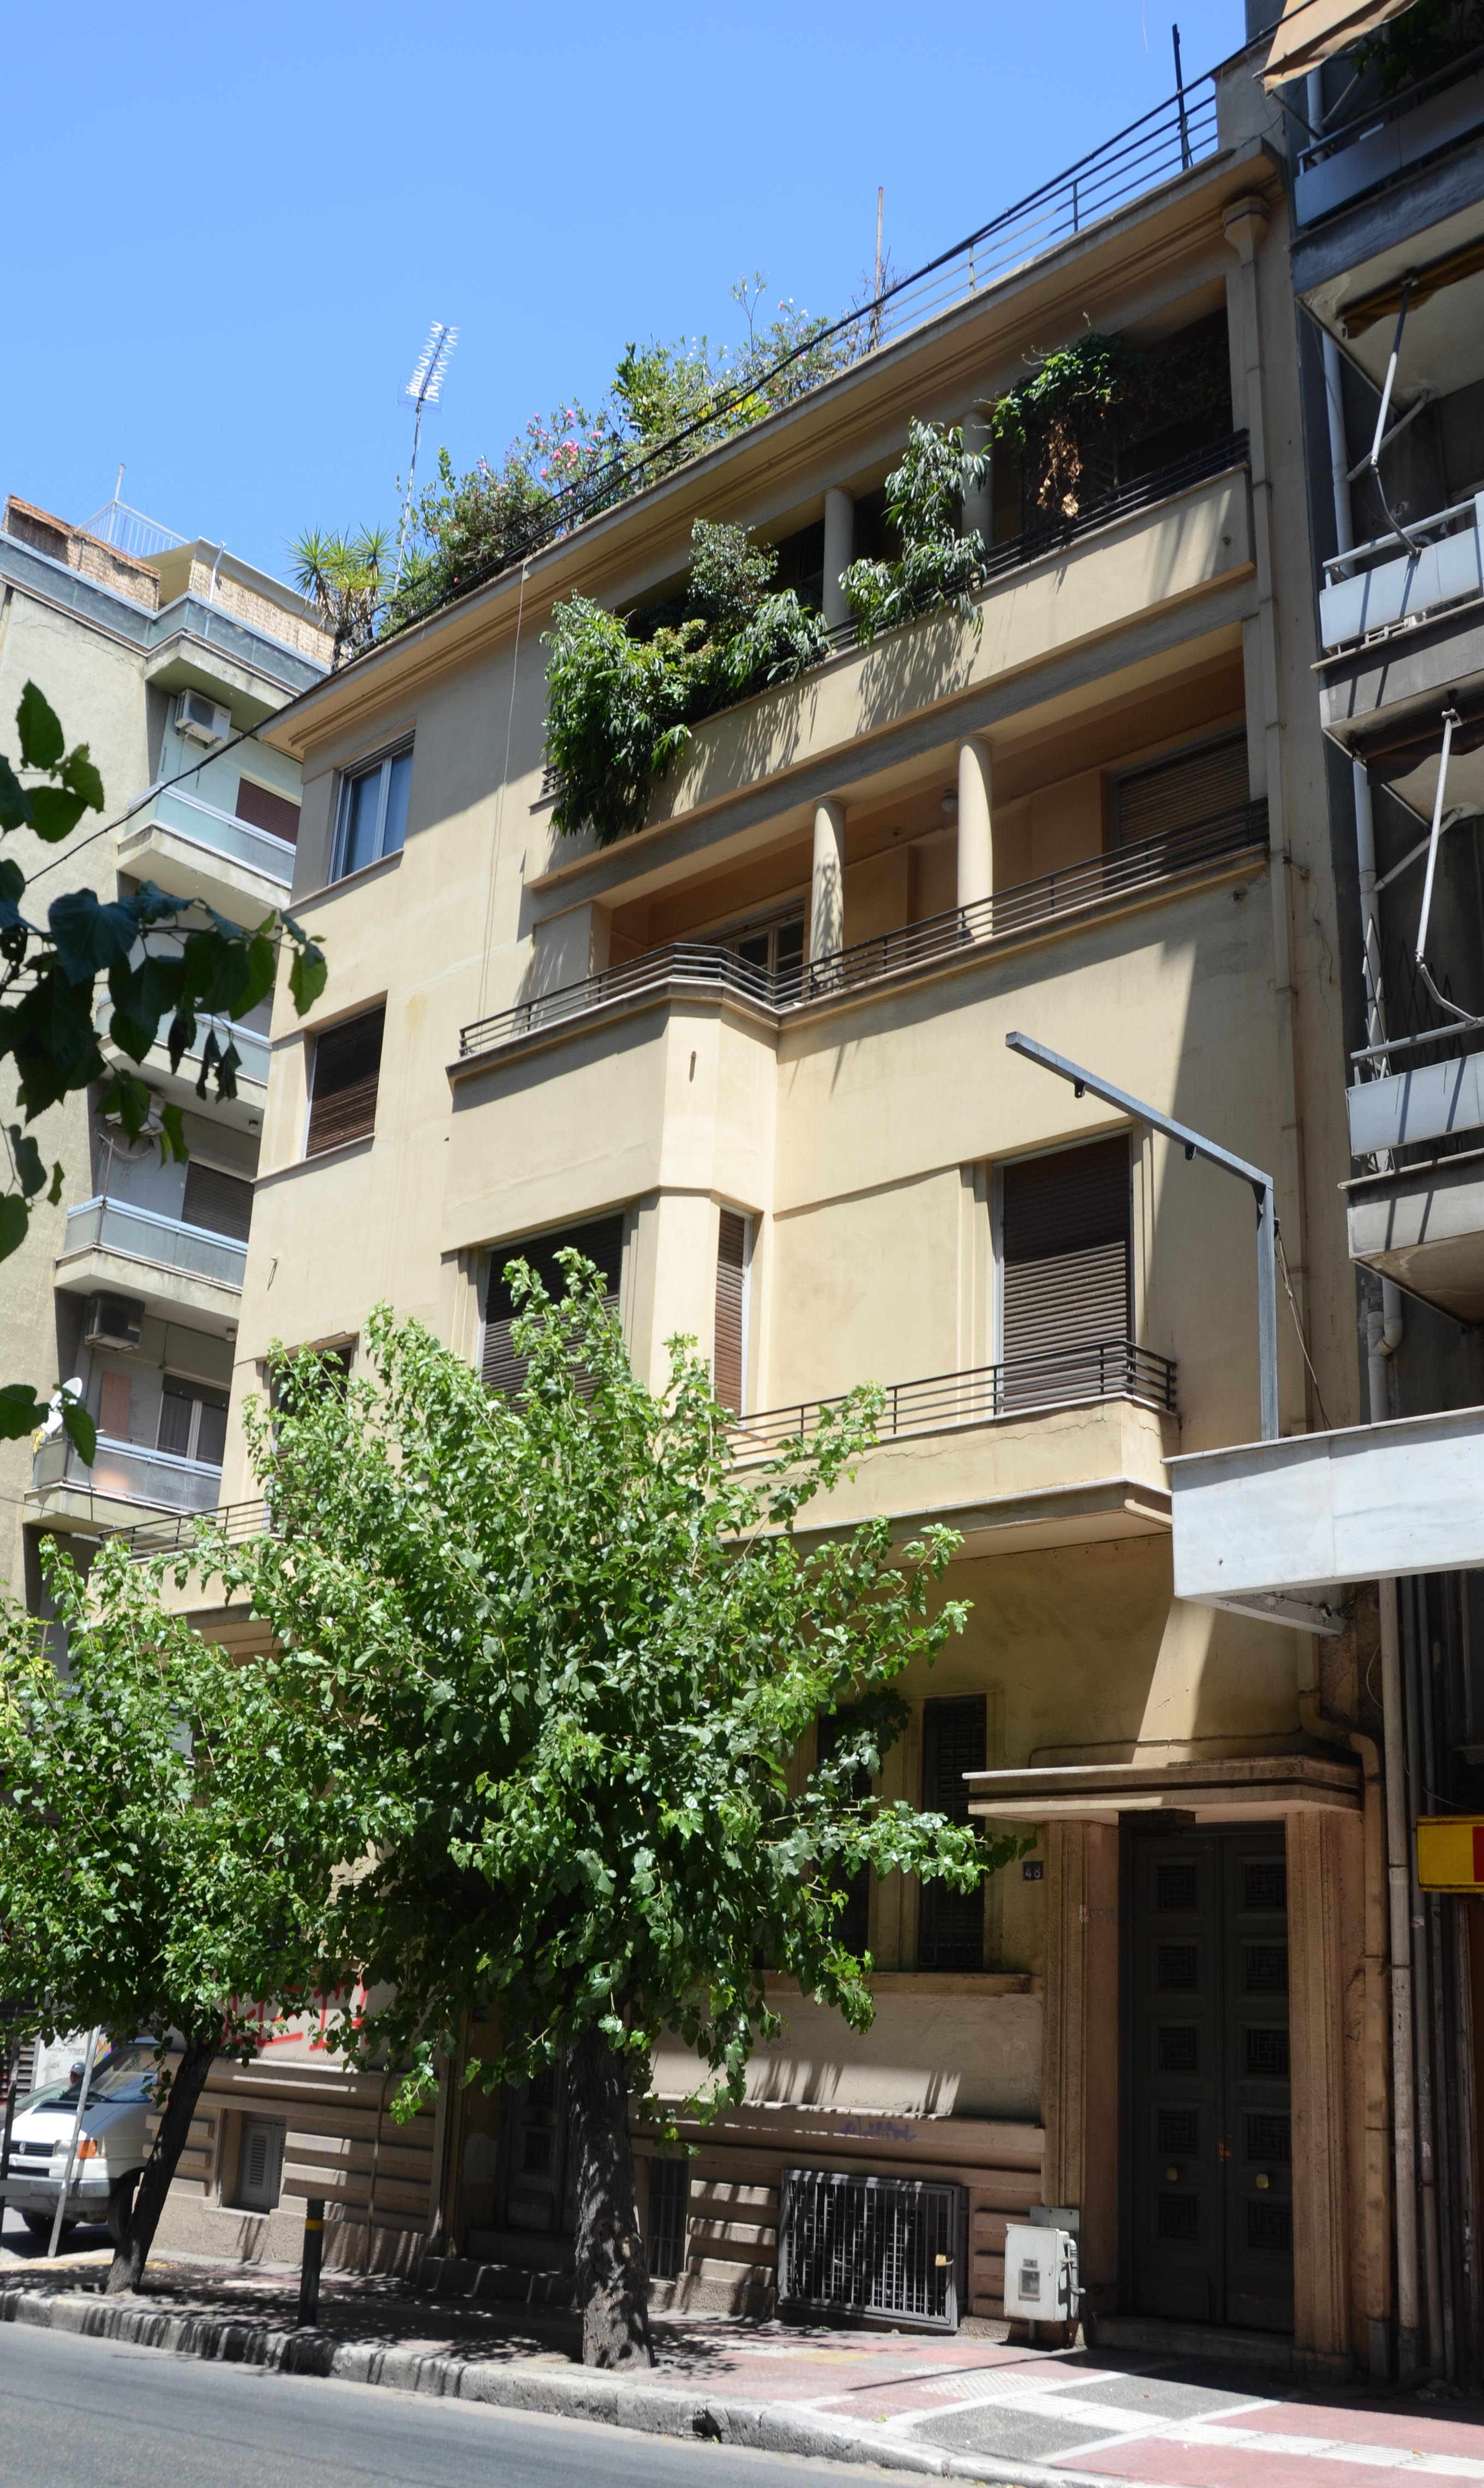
(968, 2405)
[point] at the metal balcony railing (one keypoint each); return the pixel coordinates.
(1377, 585)
(1057, 1378)
(195, 1252)
(126, 1473)
(221, 834)
(1121, 873)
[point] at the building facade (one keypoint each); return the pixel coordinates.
(753, 1059)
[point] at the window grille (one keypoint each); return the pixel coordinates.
(872, 2246)
(950, 1924)
(669, 2198)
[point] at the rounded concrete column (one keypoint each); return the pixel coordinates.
(839, 552)
(976, 868)
(826, 888)
(979, 502)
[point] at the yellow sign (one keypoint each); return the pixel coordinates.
(1450, 1852)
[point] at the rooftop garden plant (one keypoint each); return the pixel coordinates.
(937, 565)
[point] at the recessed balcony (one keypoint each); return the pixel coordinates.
(195, 850)
(185, 1272)
(1128, 876)
(123, 1479)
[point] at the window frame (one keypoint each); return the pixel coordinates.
(377, 763)
(185, 1386)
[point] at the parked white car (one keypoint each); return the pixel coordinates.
(113, 2144)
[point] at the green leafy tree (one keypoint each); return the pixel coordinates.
(580, 1652)
(165, 1847)
(167, 962)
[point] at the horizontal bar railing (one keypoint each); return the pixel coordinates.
(234, 1521)
(1114, 1369)
(1157, 148)
(1119, 873)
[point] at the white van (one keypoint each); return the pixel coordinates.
(113, 2144)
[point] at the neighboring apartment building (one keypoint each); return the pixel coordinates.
(799, 1136)
(161, 655)
(1388, 270)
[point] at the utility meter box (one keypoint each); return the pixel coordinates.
(1041, 2273)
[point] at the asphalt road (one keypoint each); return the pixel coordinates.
(77, 2413)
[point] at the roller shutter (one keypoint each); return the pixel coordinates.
(731, 1302)
(347, 1071)
(600, 1241)
(1177, 793)
(1064, 1268)
(222, 1203)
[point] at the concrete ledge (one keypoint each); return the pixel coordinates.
(584, 2394)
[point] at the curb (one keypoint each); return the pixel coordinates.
(650, 2409)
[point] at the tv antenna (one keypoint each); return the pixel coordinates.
(424, 388)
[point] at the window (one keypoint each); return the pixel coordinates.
(1176, 794)
(600, 1240)
(776, 946)
(950, 1924)
(343, 1088)
(729, 1358)
(262, 809)
(260, 2165)
(193, 1421)
(669, 2196)
(220, 1202)
(372, 817)
(853, 1926)
(1064, 1239)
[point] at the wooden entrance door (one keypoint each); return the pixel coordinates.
(1208, 2221)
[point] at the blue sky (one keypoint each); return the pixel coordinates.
(236, 224)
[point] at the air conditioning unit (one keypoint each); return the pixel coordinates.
(115, 1321)
(200, 720)
(872, 2246)
(1041, 2273)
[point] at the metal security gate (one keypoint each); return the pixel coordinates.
(872, 2246)
(1208, 2227)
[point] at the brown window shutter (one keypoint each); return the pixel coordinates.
(221, 1203)
(1177, 793)
(115, 1407)
(262, 809)
(599, 1240)
(1064, 1270)
(347, 1068)
(731, 1288)
(950, 1924)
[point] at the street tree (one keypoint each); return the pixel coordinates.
(578, 1648)
(168, 1827)
(166, 962)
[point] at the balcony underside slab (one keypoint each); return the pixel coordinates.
(243, 1112)
(1276, 1529)
(187, 870)
(181, 1296)
(1371, 696)
(83, 1509)
(1423, 1225)
(1235, 1789)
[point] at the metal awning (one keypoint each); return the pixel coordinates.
(1312, 31)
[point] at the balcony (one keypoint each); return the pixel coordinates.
(1392, 138)
(1058, 1449)
(183, 1272)
(1127, 876)
(122, 1478)
(1387, 585)
(244, 1112)
(194, 850)
(1279, 1530)
(1418, 1216)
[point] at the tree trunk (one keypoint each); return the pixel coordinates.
(613, 2268)
(187, 2083)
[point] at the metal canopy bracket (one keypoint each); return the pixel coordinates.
(1195, 1146)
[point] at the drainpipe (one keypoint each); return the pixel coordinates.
(1383, 1334)
(1427, 2164)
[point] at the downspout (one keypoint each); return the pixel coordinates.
(1383, 1331)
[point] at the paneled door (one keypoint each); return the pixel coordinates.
(1208, 2218)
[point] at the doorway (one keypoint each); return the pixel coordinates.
(1207, 2217)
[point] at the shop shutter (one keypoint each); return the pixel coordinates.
(1064, 1268)
(950, 1924)
(1177, 793)
(221, 1203)
(731, 1293)
(347, 1068)
(600, 1241)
